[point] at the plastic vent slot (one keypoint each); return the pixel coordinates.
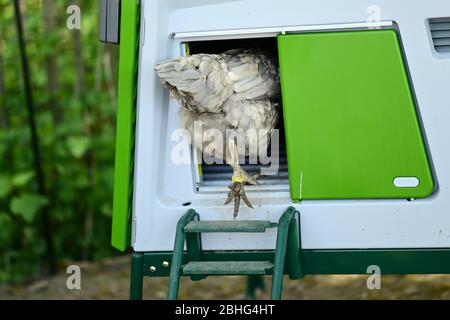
(440, 33)
(220, 175)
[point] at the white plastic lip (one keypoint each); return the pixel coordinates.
(275, 31)
(406, 182)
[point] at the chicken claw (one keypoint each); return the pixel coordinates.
(237, 192)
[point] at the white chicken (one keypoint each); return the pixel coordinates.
(231, 95)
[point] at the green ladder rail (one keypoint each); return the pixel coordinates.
(287, 258)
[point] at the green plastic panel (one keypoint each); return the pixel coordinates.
(350, 117)
(126, 109)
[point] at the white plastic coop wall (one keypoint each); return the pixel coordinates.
(161, 187)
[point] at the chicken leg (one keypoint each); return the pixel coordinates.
(239, 179)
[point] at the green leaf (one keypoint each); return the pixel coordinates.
(7, 229)
(78, 146)
(22, 179)
(81, 181)
(5, 186)
(3, 148)
(106, 210)
(27, 206)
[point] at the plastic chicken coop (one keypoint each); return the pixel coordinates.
(364, 150)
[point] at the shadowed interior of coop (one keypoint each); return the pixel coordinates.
(219, 175)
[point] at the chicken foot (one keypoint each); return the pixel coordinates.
(239, 179)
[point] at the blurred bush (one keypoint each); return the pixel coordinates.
(74, 87)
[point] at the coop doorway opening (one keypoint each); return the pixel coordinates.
(216, 177)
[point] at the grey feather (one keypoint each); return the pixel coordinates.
(231, 92)
(204, 82)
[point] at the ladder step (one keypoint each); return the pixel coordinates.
(229, 226)
(227, 268)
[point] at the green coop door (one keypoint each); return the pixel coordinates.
(352, 131)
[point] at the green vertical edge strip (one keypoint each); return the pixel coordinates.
(127, 97)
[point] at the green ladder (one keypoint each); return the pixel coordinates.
(286, 259)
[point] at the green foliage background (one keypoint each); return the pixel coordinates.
(74, 87)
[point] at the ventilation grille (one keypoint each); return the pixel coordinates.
(440, 33)
(220, 175)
